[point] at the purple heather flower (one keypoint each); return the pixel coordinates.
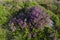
(35, 17)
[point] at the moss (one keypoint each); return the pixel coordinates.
(3, 15)
(2, 34)
(29, 4)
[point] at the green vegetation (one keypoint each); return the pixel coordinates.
(2, 34)
(8, 9)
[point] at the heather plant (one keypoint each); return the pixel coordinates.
(28, 21)
(34, 18)
(37, 15)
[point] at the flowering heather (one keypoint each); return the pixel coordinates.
(17, 20)
(35, 17)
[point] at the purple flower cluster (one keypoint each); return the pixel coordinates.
(38, 17)
(35, 18)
